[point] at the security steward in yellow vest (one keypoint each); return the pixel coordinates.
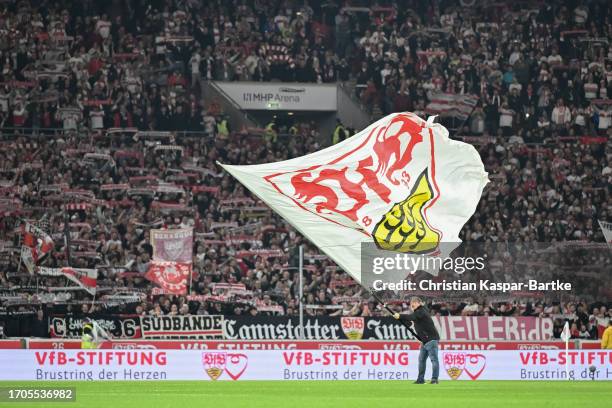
(87, 338)
(339, 133)
(271, 135)
(222, 129)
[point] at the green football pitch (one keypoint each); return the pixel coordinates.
(339, 394)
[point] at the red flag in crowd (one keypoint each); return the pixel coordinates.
(170, 276)
(85, 278)
(36, 245)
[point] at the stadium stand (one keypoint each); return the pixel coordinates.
(104, 133)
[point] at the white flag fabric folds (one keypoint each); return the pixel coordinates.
(401, 184)
(27, 257)
(85, 278)
(99, 333)
(606, 228)
(566, 334)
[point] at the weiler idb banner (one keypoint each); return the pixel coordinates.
(51, 365)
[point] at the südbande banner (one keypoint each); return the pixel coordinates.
(281, 96)
(182, 327)
(51, 365)
(400, 186)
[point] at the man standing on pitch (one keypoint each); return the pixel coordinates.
(427, 333)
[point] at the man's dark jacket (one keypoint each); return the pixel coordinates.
(423, 324)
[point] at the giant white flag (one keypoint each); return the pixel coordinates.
(401, 184)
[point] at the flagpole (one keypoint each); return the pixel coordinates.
(190, 280)
(21, 233)
(301, 290)
(388, 309)
(67, 236)
(566, 330)
(566, 359)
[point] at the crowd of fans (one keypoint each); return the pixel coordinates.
(541, 72)
(537, 68)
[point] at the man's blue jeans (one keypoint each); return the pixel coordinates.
(429, 349)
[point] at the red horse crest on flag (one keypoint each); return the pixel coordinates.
(342, 193)
(172, 258)
(170, 276)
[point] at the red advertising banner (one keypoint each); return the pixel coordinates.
(11, 344)
(590, 344)
(297, 345)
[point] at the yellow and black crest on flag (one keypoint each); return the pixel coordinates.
(404, 227)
